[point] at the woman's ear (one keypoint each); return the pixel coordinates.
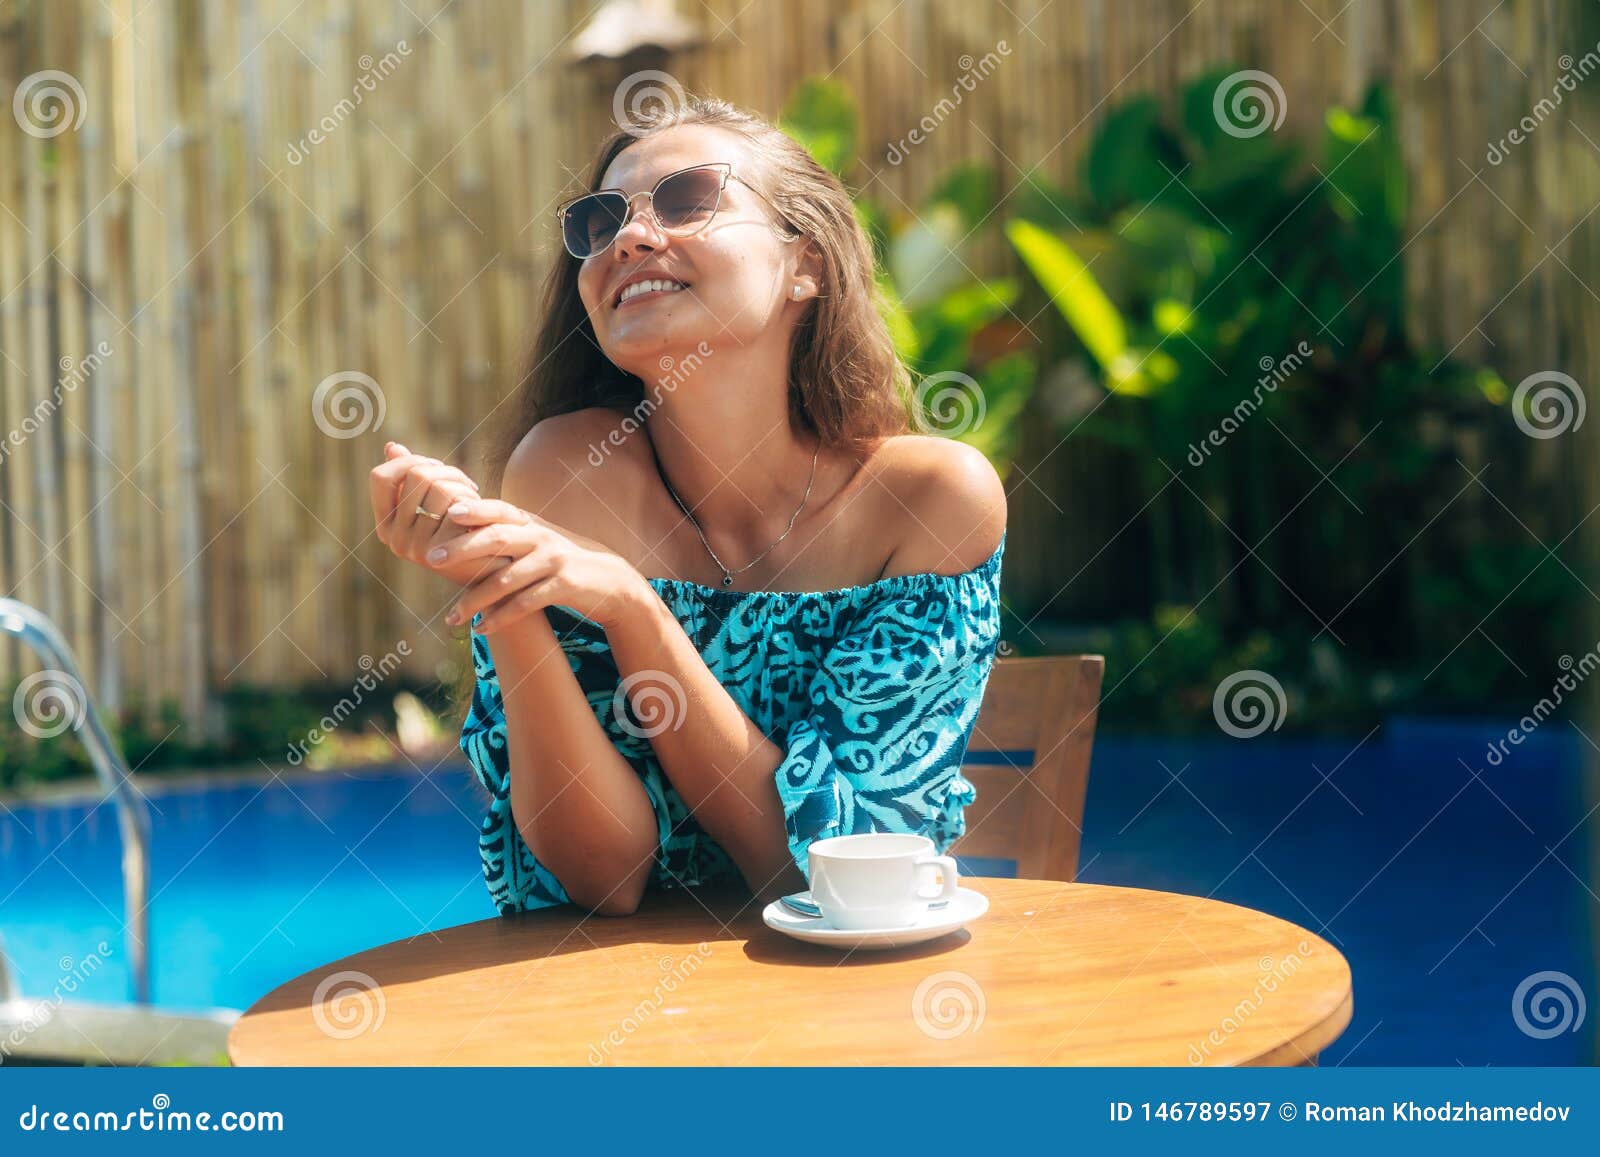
(807, 280)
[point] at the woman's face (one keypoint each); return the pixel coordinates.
(737, 269)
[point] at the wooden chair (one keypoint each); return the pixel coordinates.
(1029, 759)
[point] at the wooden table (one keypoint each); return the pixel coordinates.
(1053, 974)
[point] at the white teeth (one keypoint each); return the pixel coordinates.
(654, 285)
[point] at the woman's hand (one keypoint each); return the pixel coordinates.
(548, 566)
(403, 483)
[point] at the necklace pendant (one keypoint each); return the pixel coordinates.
(727, 579)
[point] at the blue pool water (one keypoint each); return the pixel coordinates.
(1443, 890)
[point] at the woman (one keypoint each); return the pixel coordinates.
(810, 658)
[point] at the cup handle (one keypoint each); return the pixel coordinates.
(951, 877)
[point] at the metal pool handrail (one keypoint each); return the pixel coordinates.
(133, 811)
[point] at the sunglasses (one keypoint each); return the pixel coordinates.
(681, 204)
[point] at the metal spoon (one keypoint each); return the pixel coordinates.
(798, 903)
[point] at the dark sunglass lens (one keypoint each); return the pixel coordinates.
(685, 200)
(592, 223)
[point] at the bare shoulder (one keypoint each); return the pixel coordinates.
(949, 504)
(580, 470)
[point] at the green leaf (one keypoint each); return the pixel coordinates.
(1366, 169)
(893, 311)
(1045, 204)
(875, 223)
(973, 191)
(821, 115)
(976, 305)
(1132, 157)
(1230, 115)
(1074, 291)
(1007, 384)
(1140, 373)
(945, 328)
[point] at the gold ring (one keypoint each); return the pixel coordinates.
(430, 514)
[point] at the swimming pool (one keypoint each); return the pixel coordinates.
(1437, 885)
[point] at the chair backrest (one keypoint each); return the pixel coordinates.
(1029, 760)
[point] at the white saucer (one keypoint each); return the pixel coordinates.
(965, 907)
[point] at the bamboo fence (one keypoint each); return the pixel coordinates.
(185, 518)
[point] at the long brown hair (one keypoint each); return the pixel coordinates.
(846, 383)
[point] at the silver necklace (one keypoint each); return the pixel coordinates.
(727, 575)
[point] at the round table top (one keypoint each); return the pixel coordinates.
(1052, 974)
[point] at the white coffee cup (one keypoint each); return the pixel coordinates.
(878, 879)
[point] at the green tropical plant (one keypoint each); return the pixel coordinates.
(958, 332)
(1231, 316)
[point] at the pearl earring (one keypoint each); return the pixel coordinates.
(797, 292)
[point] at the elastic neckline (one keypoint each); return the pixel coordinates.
(983, 570)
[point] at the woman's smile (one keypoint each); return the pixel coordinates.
(648, 291)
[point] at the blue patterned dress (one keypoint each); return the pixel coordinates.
(870, 691)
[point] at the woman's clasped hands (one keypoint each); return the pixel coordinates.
(509, 562)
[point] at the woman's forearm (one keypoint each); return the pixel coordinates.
(719, 761)
(578, 803)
